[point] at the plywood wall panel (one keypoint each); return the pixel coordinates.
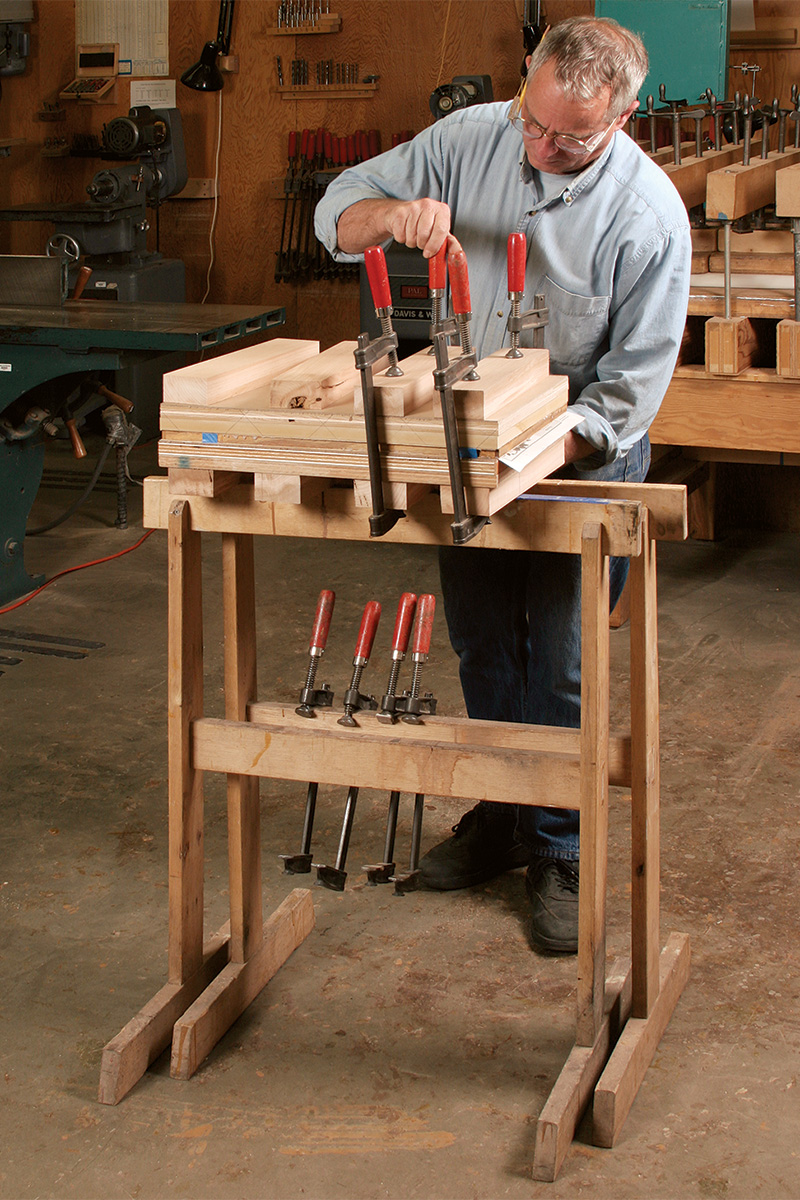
(413, 45)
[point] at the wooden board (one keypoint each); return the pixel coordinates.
(320, 382)
(398, 395)
(524, 525)
(745, 302)
(334, 460)
(422, 428)
(748, 412)
(738, 190)
(223, 378)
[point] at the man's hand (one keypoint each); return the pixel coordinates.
(422, 224)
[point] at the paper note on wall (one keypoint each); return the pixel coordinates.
(141, 27)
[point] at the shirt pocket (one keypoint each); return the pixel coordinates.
(578, 325)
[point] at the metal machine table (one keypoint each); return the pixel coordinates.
(39, 345)
(621, 1015)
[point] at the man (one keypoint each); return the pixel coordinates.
(609, 247)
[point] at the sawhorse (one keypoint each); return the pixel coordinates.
(620, 1015)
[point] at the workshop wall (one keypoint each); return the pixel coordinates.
(413, 45)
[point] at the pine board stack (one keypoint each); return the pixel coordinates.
(292, 418)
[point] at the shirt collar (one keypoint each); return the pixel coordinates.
(577, 183)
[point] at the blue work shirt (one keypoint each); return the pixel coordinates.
(610, 251)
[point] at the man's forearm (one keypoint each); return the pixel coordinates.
(363, 224)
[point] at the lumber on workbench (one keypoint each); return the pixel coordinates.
(223, 378)
(544, 400)
(690, 177)
(334, 460)
(319, 382)
(737, 190)
(745, 302)
(503, 383)
(755, 411)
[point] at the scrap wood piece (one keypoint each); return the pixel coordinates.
(397, 396)
(395, 494)
(220, 379)
(504, 382)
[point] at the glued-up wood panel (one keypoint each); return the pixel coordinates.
(413, 45)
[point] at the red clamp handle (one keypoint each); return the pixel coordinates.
(319, 144)
(402, 626)
(517, 248)
(328, 141)
(322, 622)
(292, 146)
(459, 282)
(306, 134)
(374, 142)
(426, 607)
(437, 269)
(378, 277)
(366, 633)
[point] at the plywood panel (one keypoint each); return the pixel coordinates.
(413, 45)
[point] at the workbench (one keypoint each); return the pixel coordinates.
(40, 345)
(621, 1013)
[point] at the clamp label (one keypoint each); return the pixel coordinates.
(6, 367)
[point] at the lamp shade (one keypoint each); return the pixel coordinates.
(205, 75)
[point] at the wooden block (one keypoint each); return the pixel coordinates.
(287, 489)
(396, 396)
(620, 1081)
(395, 494)
(504, 382)
(731, 345)
(218, 379)
(787, 191)
(320, 382)
(738, 190)
(201, 482)
(690, 178)
(788, 349)
(238, 984)
(745, 302)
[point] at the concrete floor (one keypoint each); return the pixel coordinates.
(406, 1048)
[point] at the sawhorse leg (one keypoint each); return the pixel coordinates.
(206, 992)
(657, 978)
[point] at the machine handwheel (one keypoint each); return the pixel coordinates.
(64, 246)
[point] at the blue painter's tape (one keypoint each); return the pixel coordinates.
(211, 438)
(467, 452)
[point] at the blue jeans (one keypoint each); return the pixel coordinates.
(514, 618)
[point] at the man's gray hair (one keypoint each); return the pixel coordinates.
(590, 54)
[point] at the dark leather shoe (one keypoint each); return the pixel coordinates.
(482, 846)
(552, 887)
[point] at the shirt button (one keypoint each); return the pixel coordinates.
(567, 197)
(500, 315)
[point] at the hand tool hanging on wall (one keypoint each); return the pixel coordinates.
(380, 872)
(533, 318)
(463, 527)
(312, 698)
(334, 877)
(288, 190)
